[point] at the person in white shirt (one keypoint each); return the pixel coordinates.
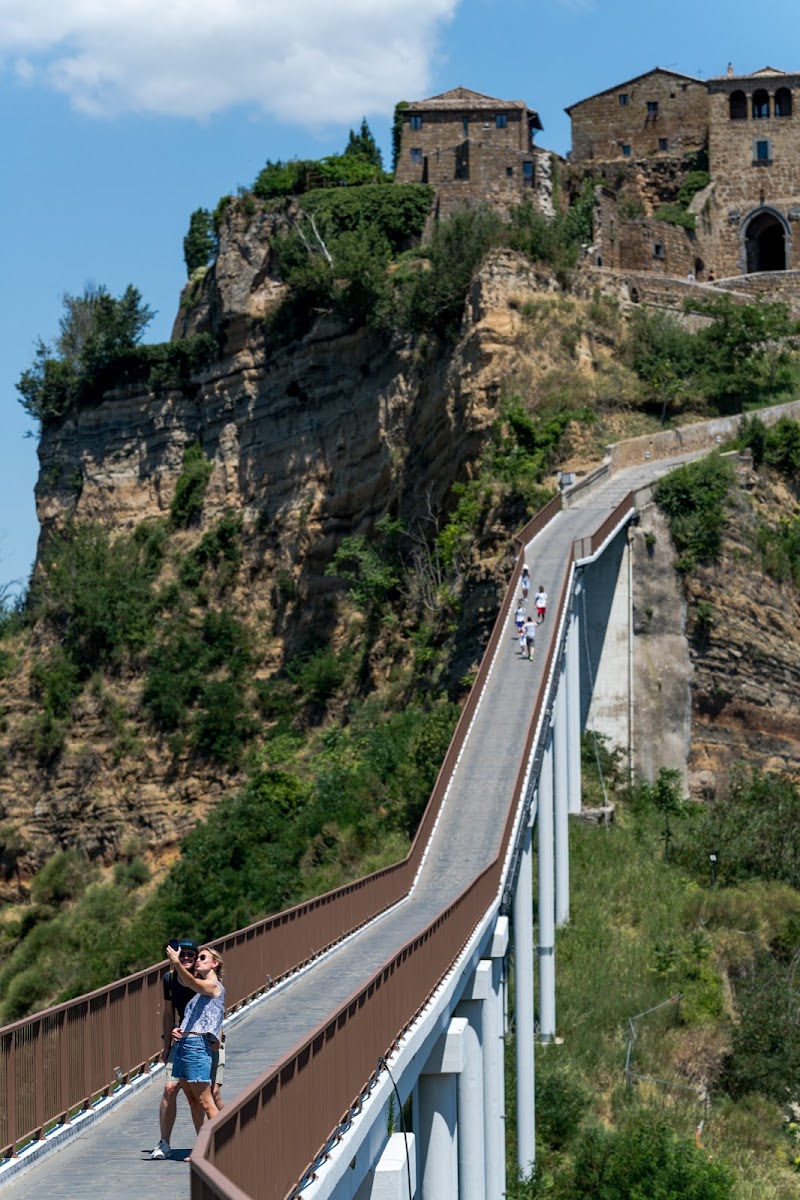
(530, 636)
(540, 600)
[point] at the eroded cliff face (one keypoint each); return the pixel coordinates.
(746, 654)
(717, 653)
(309, 443)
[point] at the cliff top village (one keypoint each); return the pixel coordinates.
(693, 178)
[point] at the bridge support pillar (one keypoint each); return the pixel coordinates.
(388, 1179)
(574, 708)
(546, 905)
(523, 976)
(438, 1114)
(494, 1066)
(471, 1152)
(561, 789)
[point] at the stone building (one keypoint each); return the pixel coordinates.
(743, 220)
(660, 112)
(474, 148)
(754, 155)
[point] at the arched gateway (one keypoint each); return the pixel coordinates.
(765, 241)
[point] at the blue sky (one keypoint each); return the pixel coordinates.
(120, 119)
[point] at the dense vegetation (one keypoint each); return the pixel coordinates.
(98, 347)
(728, 1070)
(744, 354)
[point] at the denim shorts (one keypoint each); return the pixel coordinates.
(191, 1059)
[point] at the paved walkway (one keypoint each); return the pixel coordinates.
(109, 1161)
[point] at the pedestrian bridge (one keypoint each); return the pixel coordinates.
(385, 991)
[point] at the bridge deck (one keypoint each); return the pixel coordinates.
(109, 1161)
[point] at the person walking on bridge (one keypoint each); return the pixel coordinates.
(530, 636)
(540, 600)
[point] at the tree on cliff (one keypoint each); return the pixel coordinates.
(200, 243)
(95, 330)
(363, 145)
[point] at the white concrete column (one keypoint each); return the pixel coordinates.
(561, 801)
(438, 1114)
(574, 709)
(494, 1066)
(471, 1156)
(388, 1179)
(523, 978)
(546, 905)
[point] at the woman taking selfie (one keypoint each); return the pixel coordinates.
(201, 1024)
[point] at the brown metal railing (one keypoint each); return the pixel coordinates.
(63, 1059)
(260, 1147)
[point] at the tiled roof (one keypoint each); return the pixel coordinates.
(461, 97)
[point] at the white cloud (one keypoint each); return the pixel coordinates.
(313, 62)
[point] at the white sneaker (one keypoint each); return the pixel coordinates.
(162, 1150)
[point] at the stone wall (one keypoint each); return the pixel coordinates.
(603, 125)
(702, 437)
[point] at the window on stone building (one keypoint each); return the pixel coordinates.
(416, 154)
(760, 104)
(623, 99)
(465, 125)
(527, 174)
(663, 143)
(652, 108)
(783, 103)
(509, 172)
(626, 150)
(762, 155)
(415, 120)
(658, 250)
(738, 106)
(501, 121)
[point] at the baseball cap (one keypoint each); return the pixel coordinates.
(188, 944)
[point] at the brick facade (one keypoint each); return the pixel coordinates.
(754, 152)
(660, 112)
(472, 148)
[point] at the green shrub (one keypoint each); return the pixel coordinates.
(647, 1161)
(64, 877)
(693, 498)
(765, 1041)
(187, 502)
(675, 214)
(97, 593)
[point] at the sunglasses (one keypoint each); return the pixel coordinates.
(205, 957)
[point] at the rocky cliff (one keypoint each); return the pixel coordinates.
(309, 443)
(317, 440)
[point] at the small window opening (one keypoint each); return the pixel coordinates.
(652, 108)
(623, 99)
(501, 121)
(761, 152)
(509, 172)
(416, 154)
(626, 150)
(663, 143)
(415, 121)
(658, 250)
